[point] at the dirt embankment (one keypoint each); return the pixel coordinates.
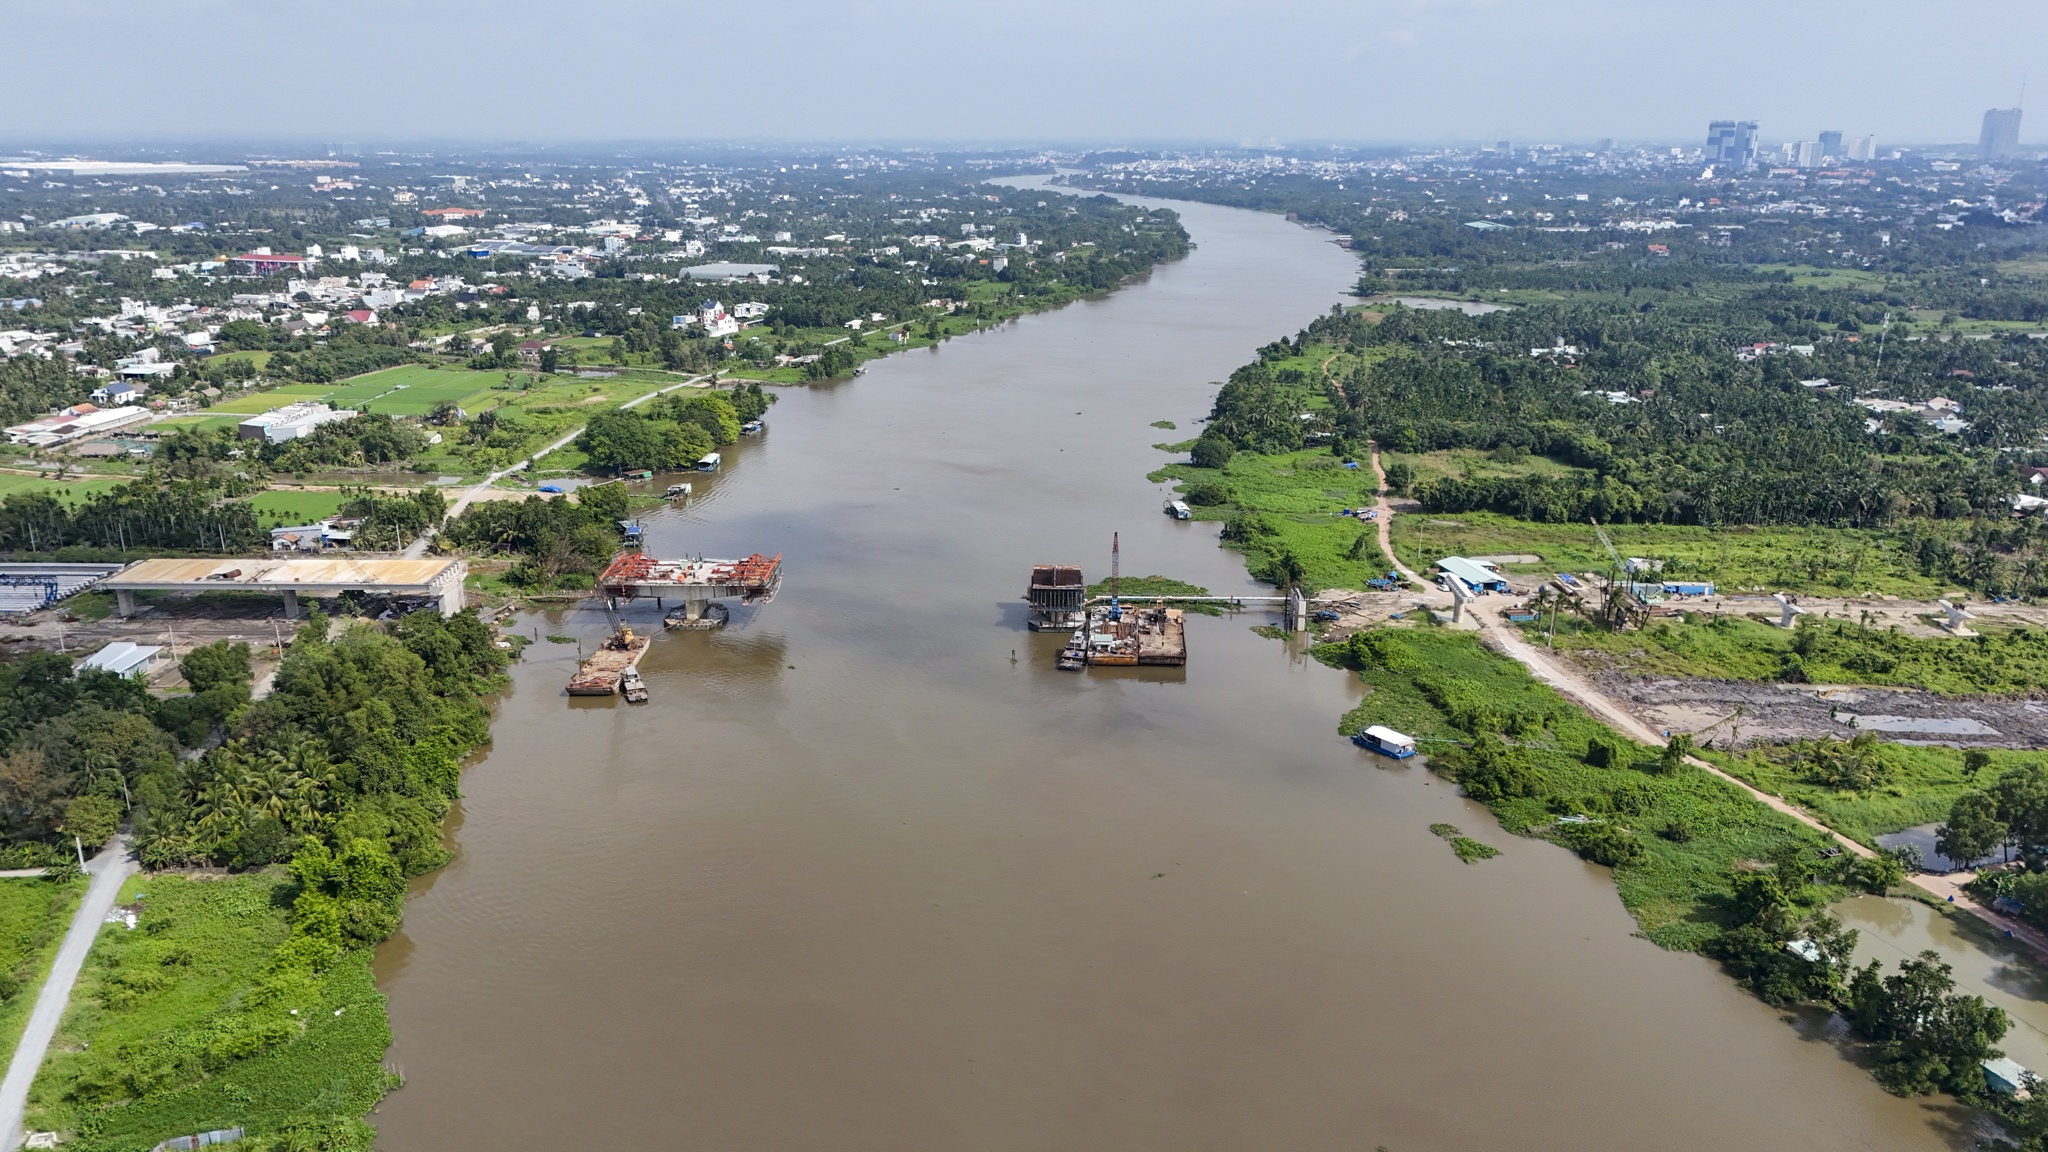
(1360, 610)
(1738, 713)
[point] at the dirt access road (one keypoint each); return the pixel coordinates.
(484, 491)
(1497, 633)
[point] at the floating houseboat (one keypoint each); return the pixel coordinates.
(1386, 742)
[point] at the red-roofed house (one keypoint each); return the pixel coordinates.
(360, 316)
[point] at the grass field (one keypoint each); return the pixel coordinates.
(1470, 462)
(1834, 561)
(251, 403)
(1447, 690)
(181, 1026)
(1998, 661)
(70, 491)
(1924, 782)
(412, 389)
(285, 509)
(1292, 502)
(33, 915)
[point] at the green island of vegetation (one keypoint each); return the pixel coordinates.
(1469, 850)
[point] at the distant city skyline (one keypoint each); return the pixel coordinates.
(1298, 72)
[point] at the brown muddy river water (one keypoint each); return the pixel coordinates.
(859, 879)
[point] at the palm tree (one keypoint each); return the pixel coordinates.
(98, 764)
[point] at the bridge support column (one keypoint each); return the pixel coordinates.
(291, 604)
(124, 602)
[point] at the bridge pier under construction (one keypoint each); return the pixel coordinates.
(695, 582)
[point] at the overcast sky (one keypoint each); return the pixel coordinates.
(1091, 71)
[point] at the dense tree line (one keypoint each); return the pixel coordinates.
(1660, 421)
(156, 511)
(671, 433)
(556, 540)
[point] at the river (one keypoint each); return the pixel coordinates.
(868, 873)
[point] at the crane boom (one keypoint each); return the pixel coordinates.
(1606, 543)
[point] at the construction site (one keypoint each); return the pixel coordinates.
(696, 585)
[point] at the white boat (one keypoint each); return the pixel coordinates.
(632, 687)
(1386, 742)
(1178, 509)
(710, 462)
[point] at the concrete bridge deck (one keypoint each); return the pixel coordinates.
(312, 576)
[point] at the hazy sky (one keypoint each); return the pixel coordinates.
(1110, 71)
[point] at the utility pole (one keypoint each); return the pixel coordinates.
(1881, 334)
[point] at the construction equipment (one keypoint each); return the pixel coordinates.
(1616, 610)
(1116, 564)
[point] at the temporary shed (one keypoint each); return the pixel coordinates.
(123, 658)
(1476, 575)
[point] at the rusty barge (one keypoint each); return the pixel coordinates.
(1115, 636)
(606, 670)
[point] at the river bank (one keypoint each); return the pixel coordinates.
(1686, 841)
(868, 870)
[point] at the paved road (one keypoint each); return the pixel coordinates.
(108, 869)
(418, 548)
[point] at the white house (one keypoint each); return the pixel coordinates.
(119, 392)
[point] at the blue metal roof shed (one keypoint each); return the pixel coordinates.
(1476, 575)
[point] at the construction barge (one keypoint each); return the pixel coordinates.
(606, 671)
(1116, 636)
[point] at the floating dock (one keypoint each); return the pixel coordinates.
(1129, 637)
(606, 670)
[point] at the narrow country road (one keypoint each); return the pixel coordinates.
(108, 870)
(1504, 637)
(1386, 518)
(418, 548)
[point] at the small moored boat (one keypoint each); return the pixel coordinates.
(1386, 742)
